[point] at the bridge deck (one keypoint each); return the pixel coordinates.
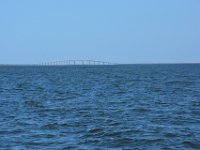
(75, 62)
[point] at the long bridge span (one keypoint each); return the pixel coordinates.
(75, 62)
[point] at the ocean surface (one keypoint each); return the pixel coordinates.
(154, 107)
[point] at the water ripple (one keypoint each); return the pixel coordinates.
(100, 107)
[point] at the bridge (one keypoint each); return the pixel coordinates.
(75, 62)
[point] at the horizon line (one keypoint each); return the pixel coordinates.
(159, 63)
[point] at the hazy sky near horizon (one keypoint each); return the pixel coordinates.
(124, 31)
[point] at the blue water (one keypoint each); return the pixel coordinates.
(100, 107)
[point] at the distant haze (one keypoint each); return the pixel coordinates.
(121, 31)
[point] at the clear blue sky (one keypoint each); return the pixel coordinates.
(124, 31)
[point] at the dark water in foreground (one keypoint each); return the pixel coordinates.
(100, 107)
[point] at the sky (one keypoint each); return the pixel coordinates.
(120, 31)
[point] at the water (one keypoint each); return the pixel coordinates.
(100, 107)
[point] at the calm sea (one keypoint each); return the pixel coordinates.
(100, 107)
